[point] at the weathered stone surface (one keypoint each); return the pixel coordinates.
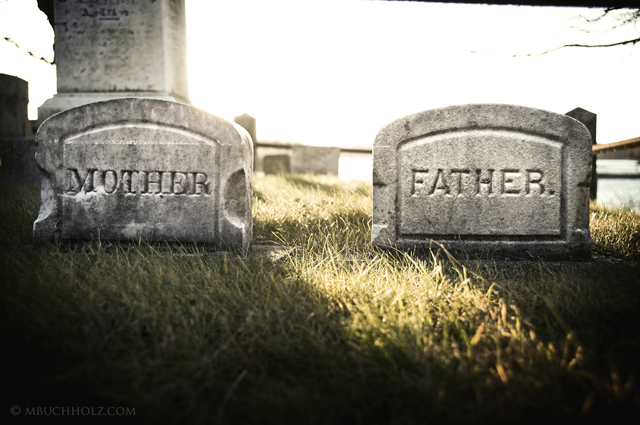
(118, 48)
(490, 179)
(130, 169)
(314, 160)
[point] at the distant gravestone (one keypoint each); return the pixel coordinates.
(589, 119)
(484, 179)
(130, 169)
(17, 146)
(247, 122)
(124, 48)
(277, 164)
(14, 101)
(314, 160)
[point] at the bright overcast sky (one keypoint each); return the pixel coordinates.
(334, 72)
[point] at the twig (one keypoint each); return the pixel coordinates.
(620, 43)
(25, 50)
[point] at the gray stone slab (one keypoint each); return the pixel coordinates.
(314, 160)
(124, 48)
(14, 100)
(130, 169)
(277, 164)
(17, 163)
(484, 179)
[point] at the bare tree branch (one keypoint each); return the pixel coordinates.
(622, 16)
(26, 51)
(628, 17)
(620, 43)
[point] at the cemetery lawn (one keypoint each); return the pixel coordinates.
(326, 329)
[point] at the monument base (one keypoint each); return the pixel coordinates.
(63, 101)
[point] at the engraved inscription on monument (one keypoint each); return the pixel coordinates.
(140, 176)
(443, 178)
(134, 182)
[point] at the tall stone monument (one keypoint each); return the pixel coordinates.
(484, 179)
(118, 48)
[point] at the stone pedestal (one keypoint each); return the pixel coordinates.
(117, 49)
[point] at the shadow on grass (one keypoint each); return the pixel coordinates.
(196, 338)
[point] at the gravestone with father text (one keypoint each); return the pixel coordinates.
(130, 169)
(484, 179)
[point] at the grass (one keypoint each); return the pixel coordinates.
(335, 332)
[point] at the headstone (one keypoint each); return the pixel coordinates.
(130, 169)
(124, 48)
(484, 179)
(17, 145)
(247, 122)
(314, 160)
(14, 101)
(589, 119)
(277, 164)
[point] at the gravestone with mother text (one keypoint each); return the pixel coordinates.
(131, 169)
(107, 49)
(484, 179)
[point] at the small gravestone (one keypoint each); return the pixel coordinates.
(314, 160)
(118, 48)
(277, 164)
(131, 169)
(484, 179)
